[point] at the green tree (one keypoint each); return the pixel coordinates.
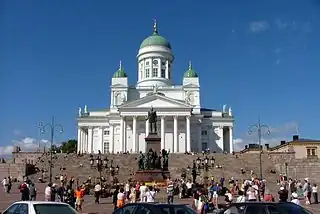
(69, 146)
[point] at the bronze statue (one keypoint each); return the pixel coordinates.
(152, 117)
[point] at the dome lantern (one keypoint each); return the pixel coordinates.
(120, 73)
(190, 73)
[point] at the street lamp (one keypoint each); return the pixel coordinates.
(52, 128)
(259, 126)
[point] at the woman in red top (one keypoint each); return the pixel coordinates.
(268, 196)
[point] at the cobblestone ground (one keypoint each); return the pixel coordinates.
(105, 206)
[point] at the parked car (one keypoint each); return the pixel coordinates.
(36, 207)
(264, 208)
(152, 208)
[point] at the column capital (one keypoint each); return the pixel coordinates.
(163, 117)
(188, 116)
(134, 116)
(175, 117)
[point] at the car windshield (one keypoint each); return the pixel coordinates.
(53, 209)
(293, 208)
(178, 209)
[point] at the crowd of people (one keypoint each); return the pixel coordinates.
(204, 197)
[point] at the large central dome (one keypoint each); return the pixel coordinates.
(155, 39)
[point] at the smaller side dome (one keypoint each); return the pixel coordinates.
(190, 73)
(120, 73)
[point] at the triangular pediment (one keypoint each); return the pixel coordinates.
(156, 101)
(118, 85)
(190, 85)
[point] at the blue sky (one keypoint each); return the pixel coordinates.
(260, 57)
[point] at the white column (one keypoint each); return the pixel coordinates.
(84, 146)
(90, 137)
(111, 138)
(121, 134)
(79, 146)
(163, 133)
(147, 128)
(231, 138)
(199, 136)
(167, 69)
(221, 138)
(134, 134)
(125, 146)
(101, 147)
(188, 147)
(175, 134)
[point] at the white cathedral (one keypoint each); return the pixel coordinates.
(183, 124)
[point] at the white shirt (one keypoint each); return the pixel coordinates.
(127, 187)
(251, 195)
(143, 190)
(151, 195)
(47, 191)
(4, 182)
(315, 189)
(189, 185)
(241, 199)
(120, 196)
(61, 178)
(97, 188)
(296, 201)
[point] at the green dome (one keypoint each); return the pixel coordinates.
(155, 39)
(120, 72)
(190, 73)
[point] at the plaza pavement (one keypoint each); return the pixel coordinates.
(105, 206)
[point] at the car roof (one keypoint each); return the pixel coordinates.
(38, 202)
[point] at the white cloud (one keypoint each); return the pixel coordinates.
(16, 132)
(304, 26)
(258, 26)
(277, 134)
(27, 144)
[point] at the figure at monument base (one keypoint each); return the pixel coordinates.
(153, 167)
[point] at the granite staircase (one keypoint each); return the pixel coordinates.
(79, 166)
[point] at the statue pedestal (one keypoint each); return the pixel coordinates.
(153, 141)
(152, 175)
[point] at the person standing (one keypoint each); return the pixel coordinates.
(151, 195)
(97, 193)
(33, 192)
(170, 192)
(47, 193)
(315, 193)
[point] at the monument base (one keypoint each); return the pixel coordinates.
(153, 175)
(153, 142)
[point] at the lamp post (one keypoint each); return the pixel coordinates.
(260, 127)
(52, 128)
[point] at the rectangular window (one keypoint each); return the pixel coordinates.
(308, 152)
(147, 73)
(105, 147)
(163, 62)
(204, 146)
(313, 152)
(106, 133)
(163, 73)
(154, 72)
(204, 132)
(147, 63)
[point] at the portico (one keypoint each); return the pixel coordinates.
(137, 111)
